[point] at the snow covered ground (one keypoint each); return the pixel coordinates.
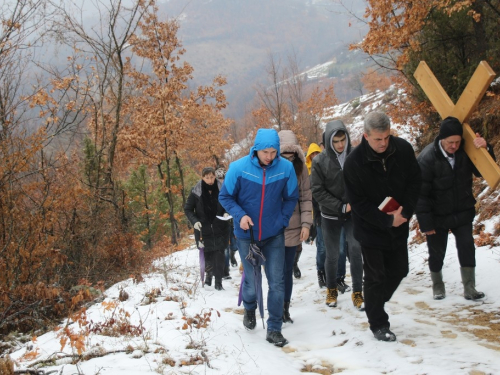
(434, 337)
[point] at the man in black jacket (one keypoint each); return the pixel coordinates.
(446, 203)
(382, 166)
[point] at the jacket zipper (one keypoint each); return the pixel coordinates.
(382, 161)
(262, 202)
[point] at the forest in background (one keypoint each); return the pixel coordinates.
(97, 157)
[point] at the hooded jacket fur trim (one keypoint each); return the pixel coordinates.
(302, 214)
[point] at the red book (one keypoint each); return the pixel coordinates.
(388, 205)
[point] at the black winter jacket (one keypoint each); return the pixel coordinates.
(215, 235)
(327, 178)
(369, 181)
(446, 200)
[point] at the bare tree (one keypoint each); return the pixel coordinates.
(20, 30)
(294, 86)
(105, 43)
(272, 97)
(290, 102)
(355, 83)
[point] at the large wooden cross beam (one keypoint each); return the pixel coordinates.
(466, 104)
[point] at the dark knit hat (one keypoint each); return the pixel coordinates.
(450, 126)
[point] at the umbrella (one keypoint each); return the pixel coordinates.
(201, 248)
(257, 259)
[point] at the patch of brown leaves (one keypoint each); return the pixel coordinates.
(489, 320)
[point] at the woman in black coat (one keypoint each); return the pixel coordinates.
(202, 208)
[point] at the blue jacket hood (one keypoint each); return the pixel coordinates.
(266, 138)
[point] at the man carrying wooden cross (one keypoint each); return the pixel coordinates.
(446, 203)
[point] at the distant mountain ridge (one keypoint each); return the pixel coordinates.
(234, 38)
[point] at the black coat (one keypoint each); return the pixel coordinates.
(446, 200)
(215, 235)
(327, 179)
(369, 182)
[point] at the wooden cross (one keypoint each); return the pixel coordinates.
(470, 98)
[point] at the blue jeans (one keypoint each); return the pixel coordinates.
(320, 250)
(289, 260)
(232, 247)
(273, 249)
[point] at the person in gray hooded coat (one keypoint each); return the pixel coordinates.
(327, 185)
(301, 220)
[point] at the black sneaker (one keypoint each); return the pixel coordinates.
(384, 334)
(342, 286)
(234, 262)
(286, 313)
(276, 338)
(249, 319)
(227, 277)
(208, 279)
(321, 279)
(218, 285)
(296, 271)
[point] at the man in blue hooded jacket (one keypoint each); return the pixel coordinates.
(261, 190)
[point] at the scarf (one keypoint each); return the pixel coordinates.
(210, 200)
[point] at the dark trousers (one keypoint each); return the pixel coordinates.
(332, 231)
(214, 263)
(384, 270)
(436, 244)
(289, 260)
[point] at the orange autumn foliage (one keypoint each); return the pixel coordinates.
(373, 80)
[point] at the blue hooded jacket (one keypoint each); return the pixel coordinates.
(267, 194)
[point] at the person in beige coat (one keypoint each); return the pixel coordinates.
(301, 220)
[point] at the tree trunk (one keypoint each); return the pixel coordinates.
(146, 205)
(168, 194)
(479, 31)
(181, 175)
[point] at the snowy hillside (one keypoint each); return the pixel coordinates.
(353, 112)
(176, 327)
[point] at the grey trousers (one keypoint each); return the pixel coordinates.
(331, 235)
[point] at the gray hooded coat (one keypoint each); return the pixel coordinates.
(327, 178)
(302, 215)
